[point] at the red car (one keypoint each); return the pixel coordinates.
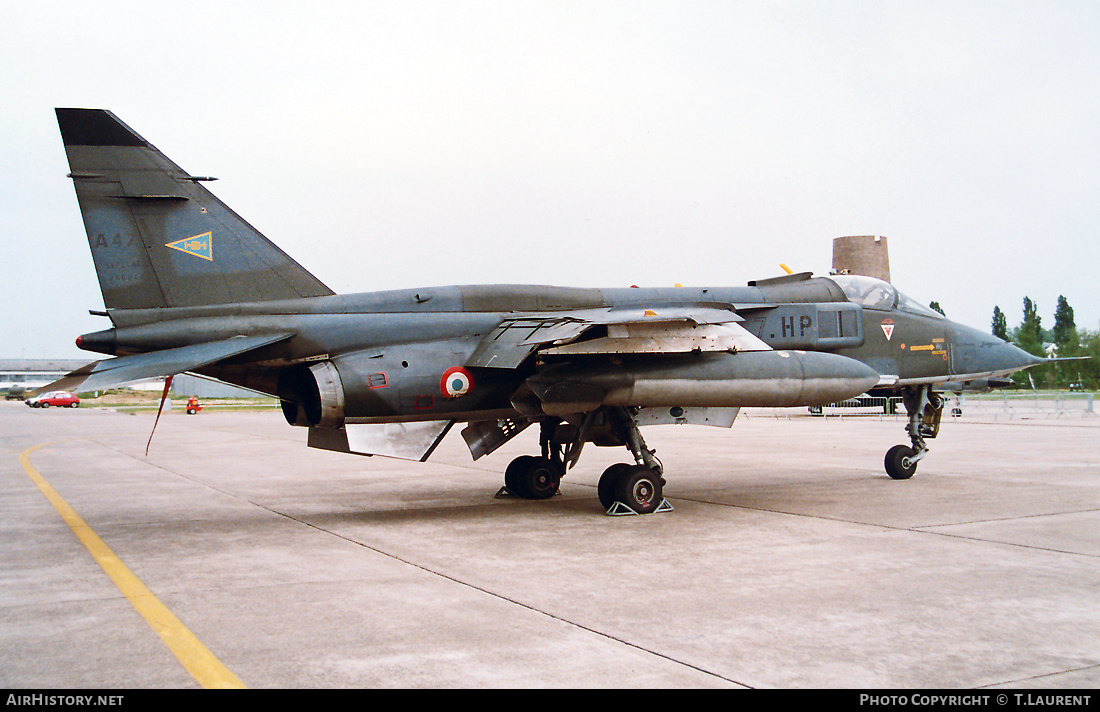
(54, 398)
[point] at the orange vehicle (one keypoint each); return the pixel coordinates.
(193, 406)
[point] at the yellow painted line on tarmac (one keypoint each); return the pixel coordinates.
(207, 670)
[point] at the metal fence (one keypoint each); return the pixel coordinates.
(862, 405)
(1006, 406)
(998, 406)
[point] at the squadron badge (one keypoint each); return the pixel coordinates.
(197, 246)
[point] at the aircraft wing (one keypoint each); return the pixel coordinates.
(168, 362)
(614, 330)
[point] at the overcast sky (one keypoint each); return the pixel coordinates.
(596, 144)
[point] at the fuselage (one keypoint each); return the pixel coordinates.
(391, 348)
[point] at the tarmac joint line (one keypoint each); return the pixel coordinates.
(195, 657)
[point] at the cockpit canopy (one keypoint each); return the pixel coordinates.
(876, 294)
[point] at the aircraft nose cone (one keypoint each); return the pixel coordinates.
(977, 352)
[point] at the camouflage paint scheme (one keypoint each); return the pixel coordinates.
(189, 286)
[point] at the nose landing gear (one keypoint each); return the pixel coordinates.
(925, 407)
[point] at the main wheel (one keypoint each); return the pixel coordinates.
(540, 479)
(533, 477)
(898, 463)
(511, 474)
(608, 480)
(640, 488)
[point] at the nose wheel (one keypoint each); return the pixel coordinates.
(901, 462)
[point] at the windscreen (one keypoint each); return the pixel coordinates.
(876, 294)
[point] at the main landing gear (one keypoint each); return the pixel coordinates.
(924, 407)
(623, 488)
(638, 488)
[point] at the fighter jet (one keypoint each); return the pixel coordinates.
(189, 286)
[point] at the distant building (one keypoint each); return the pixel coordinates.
(31, 373)
(187, 385)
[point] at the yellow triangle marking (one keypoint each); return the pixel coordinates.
(196, 246)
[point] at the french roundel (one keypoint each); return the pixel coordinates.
(456, 382)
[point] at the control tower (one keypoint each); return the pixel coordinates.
(862, 254)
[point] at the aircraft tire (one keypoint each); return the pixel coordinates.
(511, 474)
(897, 463)
(540, 479)
(532, 477)
(608, 481)
(640, 488)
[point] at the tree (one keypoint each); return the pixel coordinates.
(1000, 324)
(1065, 336)
(935, 306)
(1065, 331)
(1029, 337)
(1029, 334)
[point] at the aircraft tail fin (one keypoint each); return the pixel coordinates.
(158, 237)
